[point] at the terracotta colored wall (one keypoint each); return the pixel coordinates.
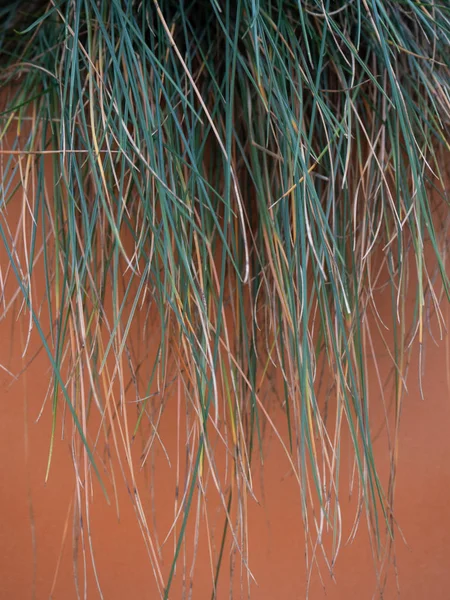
(36, 528)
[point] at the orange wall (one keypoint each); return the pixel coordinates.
(36, 528)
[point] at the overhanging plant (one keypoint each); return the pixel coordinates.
(237, 175)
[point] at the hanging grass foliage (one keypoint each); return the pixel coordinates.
(228, 180)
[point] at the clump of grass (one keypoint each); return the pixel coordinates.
(248, 169)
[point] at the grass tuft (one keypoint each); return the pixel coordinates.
(231, 182)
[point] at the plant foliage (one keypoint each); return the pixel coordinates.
(234, 176)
